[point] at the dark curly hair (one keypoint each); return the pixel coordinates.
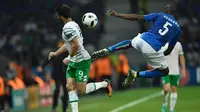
(170, 9)
(63, 10)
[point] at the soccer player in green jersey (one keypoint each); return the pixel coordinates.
(171, 81)
(79, 60)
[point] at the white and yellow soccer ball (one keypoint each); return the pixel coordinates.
(89, 20)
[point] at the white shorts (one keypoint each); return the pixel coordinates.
(155, 59)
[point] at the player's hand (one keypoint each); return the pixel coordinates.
(183, 71)
(111, 13)
(39, 69)
(51, 55)
(65, 61)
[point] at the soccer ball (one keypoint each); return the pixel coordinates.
(89, 20)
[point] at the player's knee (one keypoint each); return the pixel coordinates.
(166, 89)
(70, 87)
(81, 91)
(173, 89)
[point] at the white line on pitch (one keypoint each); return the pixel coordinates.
(138, 101)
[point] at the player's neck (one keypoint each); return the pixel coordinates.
(67, 20)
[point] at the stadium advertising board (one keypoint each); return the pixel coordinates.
(33, 96)
(18, 100)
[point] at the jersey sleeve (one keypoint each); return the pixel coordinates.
(150, 17)
(180, 50)
(69, 33)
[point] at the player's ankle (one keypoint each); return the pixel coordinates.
(108, 49)
(137, 74)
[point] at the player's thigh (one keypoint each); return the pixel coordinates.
(81, 74)
(136, 42)
(70, 76)
(166, 83)
(154, 58)
(174, 81)
(81, 79)
(70, 72)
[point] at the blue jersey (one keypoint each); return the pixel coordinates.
(165, 29)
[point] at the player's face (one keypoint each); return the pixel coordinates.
(169, 8)
(60, 18)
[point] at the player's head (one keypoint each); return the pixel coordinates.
(170, 9)
(64, 12)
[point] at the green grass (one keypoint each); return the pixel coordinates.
(188, 101)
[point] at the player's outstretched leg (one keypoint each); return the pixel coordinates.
(132, 75)
(91, 87)
(119, 46)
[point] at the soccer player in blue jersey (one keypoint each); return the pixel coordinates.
(164, 29)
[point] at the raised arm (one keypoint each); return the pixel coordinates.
(61, 50)
(132, 17)
(58, 52)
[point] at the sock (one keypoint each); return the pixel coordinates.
(173, 98)
(90, 87)
(165, 99)
(121, 45)
(73, 99)
(150, 73)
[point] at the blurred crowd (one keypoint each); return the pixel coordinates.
(189, 19)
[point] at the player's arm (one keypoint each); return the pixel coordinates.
(132, 17)
(182, 61)
(61, 50)
(172, 43)
(72, 36)
(74, 46)
(58, 52)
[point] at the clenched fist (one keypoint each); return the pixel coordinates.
(111, 13)
(51, 55)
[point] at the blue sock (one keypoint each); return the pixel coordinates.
(151, 73)
(121, 45)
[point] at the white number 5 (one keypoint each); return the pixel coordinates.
(163, 32)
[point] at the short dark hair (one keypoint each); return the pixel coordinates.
(63, 10)
(170, 9)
